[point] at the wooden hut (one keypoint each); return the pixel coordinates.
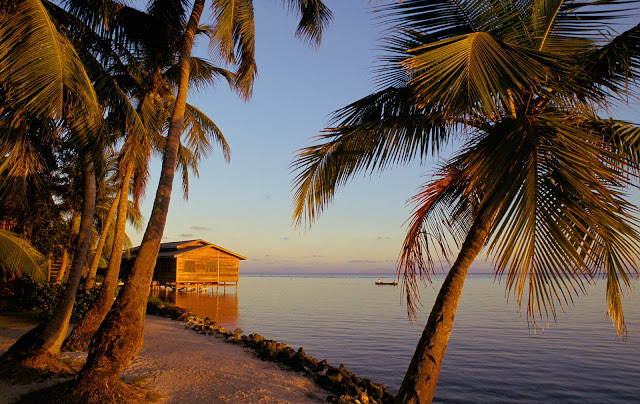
(195, 262)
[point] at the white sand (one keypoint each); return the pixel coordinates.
(187, 367)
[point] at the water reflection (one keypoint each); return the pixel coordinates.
(219, 303)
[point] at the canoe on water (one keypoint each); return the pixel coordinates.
(379, 282)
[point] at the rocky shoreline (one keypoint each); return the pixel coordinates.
(344, 386)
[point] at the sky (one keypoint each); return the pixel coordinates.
(246, 206)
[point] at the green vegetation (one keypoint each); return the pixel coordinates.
(18, 256)
(45, 296)
(86, 79)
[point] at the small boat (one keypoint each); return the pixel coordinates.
(379, 282)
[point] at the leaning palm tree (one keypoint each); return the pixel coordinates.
(154, 108)
(105, 214)
(542, 176)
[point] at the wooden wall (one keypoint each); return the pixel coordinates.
(202, 265)
(165, 270)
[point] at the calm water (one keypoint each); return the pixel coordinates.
(493, 356)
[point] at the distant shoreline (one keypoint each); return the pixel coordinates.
(382, 275)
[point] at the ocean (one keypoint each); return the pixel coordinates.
(494, 354)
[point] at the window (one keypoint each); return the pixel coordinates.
(210, 266)
(189, 266)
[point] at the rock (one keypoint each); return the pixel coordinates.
(298, 360)
(285, 354)
(345, 399)
(343, 370)
(335, 378)
(238, 331)
(270, 345)
(257, 338)
(311, 363)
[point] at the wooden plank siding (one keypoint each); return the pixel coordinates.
(207, 265)
(195, 262)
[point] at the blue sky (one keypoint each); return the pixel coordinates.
(246, 206)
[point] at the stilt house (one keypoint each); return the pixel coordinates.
(195, 262)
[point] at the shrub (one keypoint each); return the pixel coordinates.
(45, 296)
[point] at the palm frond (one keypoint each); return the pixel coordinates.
(382, 129)
(559, 202)
(616, 65)
(39, 67)
(314, 16)
(442, 215)
(203, 74)
(19, 256)
(235, 39)
(200, 130)
(476, 74)
(186, 162)
(442, 19)
(21, 163)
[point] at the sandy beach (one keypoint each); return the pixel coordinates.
(185, 366)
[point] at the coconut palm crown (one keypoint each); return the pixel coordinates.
(542, 177)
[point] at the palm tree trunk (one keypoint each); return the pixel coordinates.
(45, 340)
(81, 335)
(90, 282)
(75, 230)
(421, 379)
(119, 337)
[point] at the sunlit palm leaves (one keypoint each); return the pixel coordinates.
(382, 129)
(19, 256)
(39, 67)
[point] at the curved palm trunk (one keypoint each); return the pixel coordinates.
(119, 337)
(421, 379)
(81, 335)
(45, 340)
(90, 282)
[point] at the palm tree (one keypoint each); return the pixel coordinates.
(234, 37)
(154, 108)
(104, 221)
(541, 178)
(43, 78)
(73, 105)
